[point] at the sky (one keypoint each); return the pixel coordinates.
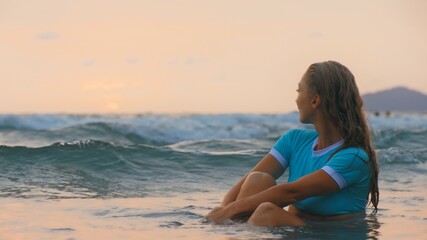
(192, 56)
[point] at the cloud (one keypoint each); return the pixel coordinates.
(47, 36)
(103, 85)
(132, 60)
(315, 35)
(188, 60)
(88, 63)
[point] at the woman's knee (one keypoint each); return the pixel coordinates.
(254, 183)
(260, 178)
(266, 208)
(268, 214)
(263, 214)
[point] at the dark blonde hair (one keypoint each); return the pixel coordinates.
(342, 104)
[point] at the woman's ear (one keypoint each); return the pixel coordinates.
(315, 101)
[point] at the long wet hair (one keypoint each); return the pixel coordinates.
(342, 104)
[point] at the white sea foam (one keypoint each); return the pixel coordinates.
(38, 130)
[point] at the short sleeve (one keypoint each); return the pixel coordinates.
(348, 167)
(281, 149)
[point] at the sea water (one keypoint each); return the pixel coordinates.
(154, 176)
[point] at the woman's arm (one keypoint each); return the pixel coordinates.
(314, 184)
(268, 164)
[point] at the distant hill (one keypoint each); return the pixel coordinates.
(399, 99)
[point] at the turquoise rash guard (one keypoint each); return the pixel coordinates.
(349, 167)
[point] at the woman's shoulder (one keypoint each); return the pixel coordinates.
(357, 152)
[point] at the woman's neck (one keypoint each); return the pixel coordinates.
(328, 134)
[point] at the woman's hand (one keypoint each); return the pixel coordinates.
(219, 215)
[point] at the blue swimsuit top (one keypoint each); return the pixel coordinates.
(349, 167)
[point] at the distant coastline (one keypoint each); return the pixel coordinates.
(398, 99)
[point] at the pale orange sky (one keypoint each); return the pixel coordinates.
(192, 56)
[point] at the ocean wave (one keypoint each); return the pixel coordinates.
(223, 146)
(92, 168)
(42, 130)
(39, 130)
(396, 155)
(86, 156)
(406, 138)
(399, 121)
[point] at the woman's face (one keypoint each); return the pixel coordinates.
(304, 101)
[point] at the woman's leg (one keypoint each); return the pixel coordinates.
(267, 214)
(270, 215)
(254, 183)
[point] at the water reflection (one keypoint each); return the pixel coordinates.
(358, 228)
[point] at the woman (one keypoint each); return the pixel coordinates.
(332, 169)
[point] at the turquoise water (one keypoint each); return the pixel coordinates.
(189, 161)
